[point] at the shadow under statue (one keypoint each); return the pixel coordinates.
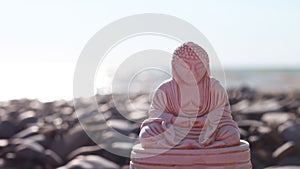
(190, 123)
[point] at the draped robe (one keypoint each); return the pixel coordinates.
(186, 130)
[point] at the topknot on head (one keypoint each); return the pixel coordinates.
(190, 50)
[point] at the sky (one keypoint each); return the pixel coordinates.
(40, 41)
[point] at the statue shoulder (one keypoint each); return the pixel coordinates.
(165, 85)
(217, 88)
(216, 84)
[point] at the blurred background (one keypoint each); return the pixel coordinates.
(257, 43)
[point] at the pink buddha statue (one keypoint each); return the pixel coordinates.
(190, 110)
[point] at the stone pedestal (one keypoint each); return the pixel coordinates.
(216, 158)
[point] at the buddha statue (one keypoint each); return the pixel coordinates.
(191, 109)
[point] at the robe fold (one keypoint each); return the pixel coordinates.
(187, 128)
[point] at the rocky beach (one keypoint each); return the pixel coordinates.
(37, 135)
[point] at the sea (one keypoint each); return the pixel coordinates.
(49, 82)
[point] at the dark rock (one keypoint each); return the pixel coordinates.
(103, 99)
(86, 150)
(290, 160)
(285, 150)
(290, 131)
(30, 131)
(52, 158)
(284, 167)
(74, 139)
(40, 139)
(27, 118)
(116, 144)
(90, 161)
(7, 129)
(30, 150)
(48, 131)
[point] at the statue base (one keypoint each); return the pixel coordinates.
(217, 158)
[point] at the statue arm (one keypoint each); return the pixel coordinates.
(219, 114)
(158, 107)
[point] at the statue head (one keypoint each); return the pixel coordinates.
(190, 63)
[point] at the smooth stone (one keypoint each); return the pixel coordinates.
(290, 160)
(256, 109)
(90, 161)
(246, 124)
(138, 115)
(48, 131)
(116, 158)
(244, 134)
(52, 158)
(270, 135)
(67, 111)
(240, 106)
(26, 118)
(37, 105)
(30, 150)
(3, 143)
(73, 139)
(86, 150)
(217, 158)
(60, 103)
(286, 149)
(290, 131)
(284, 167)
(116, 144)
(30, 131)
(121, 126)
(40, 139)
(7, 129)
(274, 119)
(103, 99)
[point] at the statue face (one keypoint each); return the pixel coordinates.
(188, 71)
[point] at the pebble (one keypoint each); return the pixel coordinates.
(274, 119)
(290, 131)
(26, 118)
(90, 161)
(7, 129)
(48, 135)
(285, 150)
